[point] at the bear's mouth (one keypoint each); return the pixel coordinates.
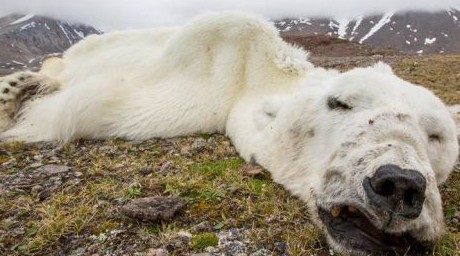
(349, 226)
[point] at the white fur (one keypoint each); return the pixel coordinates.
(231, 73)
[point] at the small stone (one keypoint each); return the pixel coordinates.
(262, 252)
(145, 171)
(252, 170)
(44, 194)
(281, 247)
(117, 167)
(202, 254)
(78, 174)
(200, 227)
(199, 144)
(156, 252)
(38, 157)
(457, 215)
(185, 150)
(212, 249)
(165, 167)
(233, 248)
(233, 234)
(36, 189)
(153, 208)
(178, 242)
(52, 169)
(36, 165)
(79, 251)
(232, 190)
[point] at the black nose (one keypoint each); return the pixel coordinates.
(397, 191)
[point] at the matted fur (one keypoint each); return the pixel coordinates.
(231, 73)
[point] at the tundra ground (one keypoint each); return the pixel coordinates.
(67, 200)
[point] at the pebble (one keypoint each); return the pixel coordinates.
(38, 157)
(165, 167)
(146, 171)
(457, 215)
(44, 194)
(79, 251)
(185, 150)
(261, 252)
(36, 165)
(156, 252)
(199, 144)
(36, 189)
(200, 227)
(233, 248)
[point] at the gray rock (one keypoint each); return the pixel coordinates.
(153, 208)
(52, 169)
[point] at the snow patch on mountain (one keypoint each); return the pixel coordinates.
(430, 40)
(382, 22)
(23, 19)
(342, 27)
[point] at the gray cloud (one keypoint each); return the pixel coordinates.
(123, 14)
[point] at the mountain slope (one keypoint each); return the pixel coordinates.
(410, 32)
(25, 40)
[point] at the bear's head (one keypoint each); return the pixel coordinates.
(367, 150)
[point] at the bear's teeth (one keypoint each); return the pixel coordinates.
(352, 209)
(335, 211)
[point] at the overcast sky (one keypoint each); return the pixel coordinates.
(124, 14)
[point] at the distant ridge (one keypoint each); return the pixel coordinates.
(25, 40)
(410, 32)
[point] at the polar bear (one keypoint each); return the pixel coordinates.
(364, 149)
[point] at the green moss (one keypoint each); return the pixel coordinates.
(258, 187)
(204, 240)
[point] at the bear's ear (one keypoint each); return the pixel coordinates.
(382, 68)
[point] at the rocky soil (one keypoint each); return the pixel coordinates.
(75, 199)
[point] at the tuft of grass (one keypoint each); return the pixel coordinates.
(203, 240)
(449, 244)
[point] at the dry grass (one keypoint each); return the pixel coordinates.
(81, 209)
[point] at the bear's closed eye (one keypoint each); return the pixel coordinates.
(435, 137)
(335, 104)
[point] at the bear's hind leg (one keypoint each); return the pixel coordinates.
(19, 88)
